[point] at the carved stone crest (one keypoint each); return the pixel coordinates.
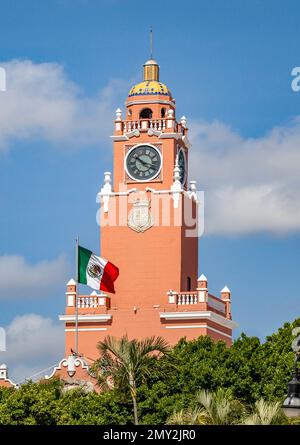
(140, 218)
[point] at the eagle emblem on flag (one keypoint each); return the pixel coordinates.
(94, 271)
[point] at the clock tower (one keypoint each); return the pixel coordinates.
(148, 241)
(149, 223)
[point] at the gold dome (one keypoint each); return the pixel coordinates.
(149, 87)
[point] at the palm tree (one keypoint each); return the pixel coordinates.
(186, 417)
(266, 413)
(123, 363)
(218, 408)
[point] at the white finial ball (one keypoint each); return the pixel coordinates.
(107, 177)
(193, 186)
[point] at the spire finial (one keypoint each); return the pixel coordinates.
(151, 42)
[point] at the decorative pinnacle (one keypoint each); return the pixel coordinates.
(193, 186)
(71, 282)
(183, 121)
(225, 290)
(176, 169)
(107, 177)
(202, 278)
(118, 114)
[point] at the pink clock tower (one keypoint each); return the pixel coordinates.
(149, 223)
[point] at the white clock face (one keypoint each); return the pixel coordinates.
(143, 163)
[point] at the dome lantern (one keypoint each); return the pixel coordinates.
(151, 70)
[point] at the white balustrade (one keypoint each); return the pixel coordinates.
(187, 299)
(91, 301)
(144, 124)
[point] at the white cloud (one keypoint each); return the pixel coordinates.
(42, 102)
(19, 278)
(251, 184)
(34, 343)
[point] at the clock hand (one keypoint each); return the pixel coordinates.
(143, 162)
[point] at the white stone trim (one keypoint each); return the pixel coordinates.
(153, 101)
(85, 318)
(199, 315)
(71, 300)
(199, 326)
(120, 137)
(202, 295)
(165, 135)
(85, 329)
(186, 141)
(65, 363)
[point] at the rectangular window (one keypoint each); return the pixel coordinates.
(189, 284)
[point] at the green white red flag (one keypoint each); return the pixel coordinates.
(95, 271)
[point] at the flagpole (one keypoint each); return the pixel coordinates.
(76, 303)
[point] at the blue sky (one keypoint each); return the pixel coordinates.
(228, 64)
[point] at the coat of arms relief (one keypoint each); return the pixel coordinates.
(140, 217)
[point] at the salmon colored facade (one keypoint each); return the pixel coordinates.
(149, 223)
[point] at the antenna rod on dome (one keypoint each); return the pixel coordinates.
(76, 302)
(151, 42)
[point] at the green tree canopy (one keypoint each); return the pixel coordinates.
(250, 369)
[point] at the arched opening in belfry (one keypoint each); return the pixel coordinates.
(146, 113)
(163, 113)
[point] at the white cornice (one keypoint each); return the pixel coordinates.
(159, 134)
(86, 318)
(170, 135)
(85, 329)
(208, 315)
(120, 137)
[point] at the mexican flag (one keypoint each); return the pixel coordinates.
(96, 272)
